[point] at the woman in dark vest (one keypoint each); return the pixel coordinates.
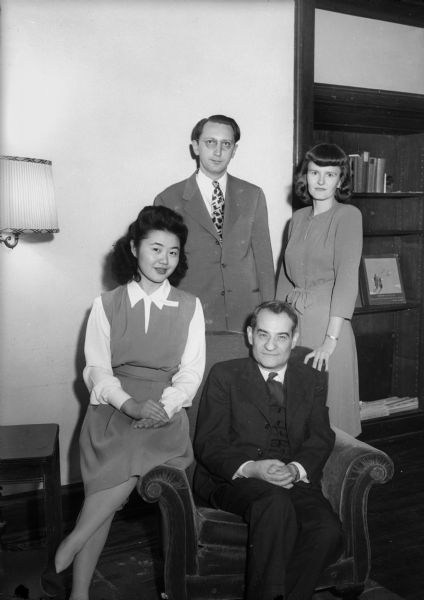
(145, 356)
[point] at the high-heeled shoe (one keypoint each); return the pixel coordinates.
(53, 583)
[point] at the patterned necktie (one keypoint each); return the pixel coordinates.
(217, 208)
(275, 389)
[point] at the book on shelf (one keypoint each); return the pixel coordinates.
(380, 173)
(372, 168)
(368, 172)
(354, 170)
(364, 160)
(387, 406)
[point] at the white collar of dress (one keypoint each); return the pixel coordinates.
(159, 297)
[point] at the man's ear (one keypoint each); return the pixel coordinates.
(234, 150)
(195, 146)
(295, 339)
(249, 332)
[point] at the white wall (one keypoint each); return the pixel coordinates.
(368, 53)
(109, 91)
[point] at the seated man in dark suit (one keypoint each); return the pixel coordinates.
(263, 437)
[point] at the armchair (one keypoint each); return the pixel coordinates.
(204, 548)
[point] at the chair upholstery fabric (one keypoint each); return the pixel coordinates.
(204, 548)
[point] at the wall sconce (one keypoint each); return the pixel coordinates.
(26, 198)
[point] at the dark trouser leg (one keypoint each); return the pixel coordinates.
(318, 544)
(271, 517)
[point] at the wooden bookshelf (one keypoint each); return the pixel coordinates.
(389, 336)
(364, 110)
(390, 125)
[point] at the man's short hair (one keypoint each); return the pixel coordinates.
(198, 128)
(277, 307)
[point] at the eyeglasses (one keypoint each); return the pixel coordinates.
(212, 143)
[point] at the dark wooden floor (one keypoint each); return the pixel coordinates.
(131, 563)
(396, 520)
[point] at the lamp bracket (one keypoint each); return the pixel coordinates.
(9, 239)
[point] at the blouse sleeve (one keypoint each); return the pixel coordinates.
(103, 386)
(347, 256)
(188, 378)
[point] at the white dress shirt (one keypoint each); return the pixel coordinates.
(206, 187)
(280, 378)
(98, 375)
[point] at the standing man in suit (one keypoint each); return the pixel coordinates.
(228, 248)
(263, 437)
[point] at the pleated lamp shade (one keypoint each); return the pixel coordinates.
(27, 196)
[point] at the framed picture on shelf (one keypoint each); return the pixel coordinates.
(380, 280)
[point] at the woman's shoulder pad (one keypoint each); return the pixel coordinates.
(349, 209)
(301, 213)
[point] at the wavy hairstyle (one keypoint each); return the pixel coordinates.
(124, 264)
(325, 155)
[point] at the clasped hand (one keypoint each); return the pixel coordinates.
(272, 470)
(146, 413)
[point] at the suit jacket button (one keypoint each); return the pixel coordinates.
(222, 293)
(259, 451)
(223, 265)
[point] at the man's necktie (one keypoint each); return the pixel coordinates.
(276, 389)
(217, 208)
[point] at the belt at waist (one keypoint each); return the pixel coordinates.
(303, 298)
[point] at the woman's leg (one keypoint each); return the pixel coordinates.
(86, 560)
(96, 510)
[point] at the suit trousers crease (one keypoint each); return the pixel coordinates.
(293, 535)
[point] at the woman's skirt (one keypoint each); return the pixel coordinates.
(112, 450)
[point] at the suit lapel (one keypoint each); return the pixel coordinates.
(254, 388)
(195, 206)
(233, 205)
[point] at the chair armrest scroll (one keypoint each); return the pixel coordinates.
(351, 470)
(170, 488)
(352, 460)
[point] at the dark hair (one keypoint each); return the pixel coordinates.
(124, 264)
(277, 307)
(325, 155)
(198, 128)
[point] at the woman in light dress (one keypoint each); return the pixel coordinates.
(319, 276)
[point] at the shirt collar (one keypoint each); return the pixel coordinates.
(205, 183)
(159, 298)
(280, 374)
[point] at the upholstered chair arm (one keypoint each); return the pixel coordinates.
(352, 468)
(170, 488)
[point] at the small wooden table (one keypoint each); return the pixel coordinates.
(31, 452)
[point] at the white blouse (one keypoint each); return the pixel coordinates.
(105, 388)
